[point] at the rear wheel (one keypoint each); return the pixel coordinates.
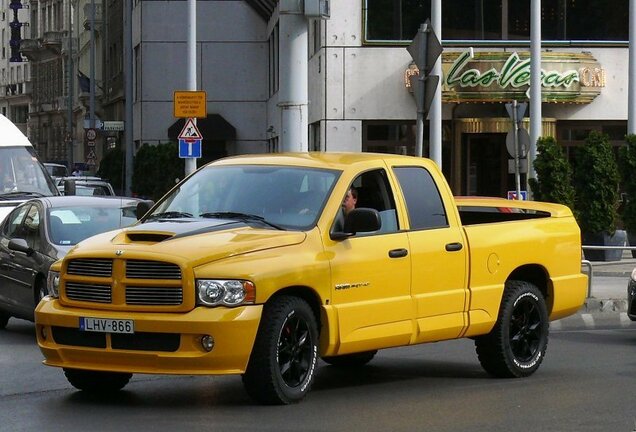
(96, 381)
(516, 345)
(351, 360)
(283, 361)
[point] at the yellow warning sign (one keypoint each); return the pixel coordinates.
(188, 104)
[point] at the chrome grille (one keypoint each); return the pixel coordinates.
(141, 269)
(154, 296)
(91, 267)
(89, 292)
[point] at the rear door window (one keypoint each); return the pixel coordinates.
(423, 200)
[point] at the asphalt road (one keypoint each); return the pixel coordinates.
(586, 383)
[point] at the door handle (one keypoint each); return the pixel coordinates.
(452, 247)
(398, 253)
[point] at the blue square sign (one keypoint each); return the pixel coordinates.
(189, 148)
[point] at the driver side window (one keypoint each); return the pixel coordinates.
(373, 191)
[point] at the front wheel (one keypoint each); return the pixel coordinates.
(283, 361)
(516, 345)
(96, 381)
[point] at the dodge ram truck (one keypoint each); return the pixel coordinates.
(250, 266)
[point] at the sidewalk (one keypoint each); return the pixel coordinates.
(606, 306)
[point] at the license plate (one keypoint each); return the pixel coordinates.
(105, 325)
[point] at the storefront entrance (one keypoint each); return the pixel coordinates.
(485, 160)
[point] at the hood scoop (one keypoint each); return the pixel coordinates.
(148, 237)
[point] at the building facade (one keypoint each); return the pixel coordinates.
(359, 96)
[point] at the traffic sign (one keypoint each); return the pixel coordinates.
(114, 125)
(512, 195)
(91, 134)
(521, 110)
(190, 131)
(425, 48)
(190, 104)
(523, 142)
(189, 148)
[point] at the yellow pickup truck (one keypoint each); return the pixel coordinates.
(252, 266)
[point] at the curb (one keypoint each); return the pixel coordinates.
(596, 314)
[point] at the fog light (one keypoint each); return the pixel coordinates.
(207, 342)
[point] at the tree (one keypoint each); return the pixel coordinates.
(554, 174)
(596, 181)
(156, 170)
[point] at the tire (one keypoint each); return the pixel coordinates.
(97, 382)
(282, 365)
(351, 360)
(4, 319)
(516, 345)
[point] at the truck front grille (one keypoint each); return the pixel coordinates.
(125, 283)
(90, 267)
(146, 295)
(89, 292)
(141, 269)
(141, 341)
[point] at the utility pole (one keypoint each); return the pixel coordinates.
(535, 87)
(190, 162)
(128, 91)
(69, 119)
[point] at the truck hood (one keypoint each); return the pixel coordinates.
(196, 241)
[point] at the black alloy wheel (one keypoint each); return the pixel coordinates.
(516, 345)
(283, 361)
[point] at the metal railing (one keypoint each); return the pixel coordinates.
(588, 264)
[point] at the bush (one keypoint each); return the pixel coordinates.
(155, 169)
(111, 169)
(554, 174)
(627, 168)
(596, 182)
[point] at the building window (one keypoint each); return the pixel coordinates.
(483, 20)
(396, 137)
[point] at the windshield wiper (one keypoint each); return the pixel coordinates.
(169, 215)
(240, 216)
(13, 194)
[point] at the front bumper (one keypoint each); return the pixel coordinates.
(163, 343)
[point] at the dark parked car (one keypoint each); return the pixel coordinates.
(41, 231)
(631, 297)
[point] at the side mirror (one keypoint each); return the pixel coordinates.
(143, 207)
(69, 187)
(359, 220)
(20, 245)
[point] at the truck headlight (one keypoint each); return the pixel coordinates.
(225, 292)
(53, 283)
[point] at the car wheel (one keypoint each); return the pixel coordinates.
(4, 319)
(516, 345)
(283, 361)
(96, 381)
(351, 360)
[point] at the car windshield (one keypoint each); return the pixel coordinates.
(270, 196)
(21, 174)
(70, 225)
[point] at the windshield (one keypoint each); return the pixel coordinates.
(281, 196)
(70, 225)
(21, 174)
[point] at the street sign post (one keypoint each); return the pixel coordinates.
(424, 49)
(517, 111)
